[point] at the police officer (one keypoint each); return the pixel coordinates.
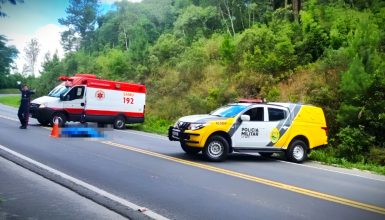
(23, 112)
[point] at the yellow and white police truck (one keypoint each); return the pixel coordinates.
(249, 126)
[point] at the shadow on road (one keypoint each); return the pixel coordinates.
(231, 158)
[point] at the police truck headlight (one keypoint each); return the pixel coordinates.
(196, 126)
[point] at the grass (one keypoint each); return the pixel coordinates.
(9, 91)
(13, 101)
(324, 157)
(153, 124)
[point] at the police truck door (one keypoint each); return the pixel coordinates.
(248, 134)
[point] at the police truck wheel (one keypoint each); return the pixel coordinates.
(190, 150)
(216, 149)
(120, 123)
(297, 151)
(61, 118)
(43, 122)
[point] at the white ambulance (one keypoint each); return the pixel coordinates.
(86, 98)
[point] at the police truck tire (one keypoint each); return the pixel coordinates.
(216, 149)
(120, 122)
(43, 122)
(62, 119)
(297, 151)
(190, 150)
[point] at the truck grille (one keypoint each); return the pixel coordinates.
(34, 105)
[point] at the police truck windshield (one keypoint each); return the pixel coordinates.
(58, 90)
(229, 111)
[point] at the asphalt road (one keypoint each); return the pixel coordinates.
(30, 196)
(151, 171)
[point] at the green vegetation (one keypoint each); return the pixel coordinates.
(195, 55)
(9, 91)
(153, 124)
(327, 158)
(13, 101)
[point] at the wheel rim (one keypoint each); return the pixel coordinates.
(215, 149)
(298, 152)
(119, 123)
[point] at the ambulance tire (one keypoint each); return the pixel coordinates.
(216, 149)
(120, 122)
(61, 117)
(297, 151)
(43, 122)
(190, 150)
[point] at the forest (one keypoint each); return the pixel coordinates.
(196, 55)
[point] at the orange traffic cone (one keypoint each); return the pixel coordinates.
(55, 129)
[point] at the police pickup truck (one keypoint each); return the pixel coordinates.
(249, 126)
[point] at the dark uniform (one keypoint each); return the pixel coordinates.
(23, 112)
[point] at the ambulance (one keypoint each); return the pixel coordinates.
(86, 98)
(253, 126)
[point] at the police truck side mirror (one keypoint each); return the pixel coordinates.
(245, 117)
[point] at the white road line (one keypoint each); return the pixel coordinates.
(88, 186)
(9, 118)
(334, 171)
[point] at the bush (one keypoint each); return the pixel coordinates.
(354, 143)
(377, 156)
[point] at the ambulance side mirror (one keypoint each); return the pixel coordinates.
(63, 97)
(245, 117)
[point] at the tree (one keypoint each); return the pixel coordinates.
(69, 40)
(52, 68)
(14, 2)
(32, 51)
(80, 20)
(7, 54)
(196, 22)
(296, 9)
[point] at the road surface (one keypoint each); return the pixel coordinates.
(27, 192)
(153, 172)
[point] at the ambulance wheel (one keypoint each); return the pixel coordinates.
(43, 122)
(61, 118)
(216, 149)
(190, 150)
(297, 151)
(120, 122)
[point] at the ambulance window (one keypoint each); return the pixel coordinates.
(256, 114)
(276, 114)
(77, 92)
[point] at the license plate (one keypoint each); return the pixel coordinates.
(175, 133)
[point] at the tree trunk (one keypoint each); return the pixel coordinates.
(223, 18)
(296, 9)
(125, 39)
(226, 4)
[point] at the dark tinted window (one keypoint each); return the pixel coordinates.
(256, 114)
(76, 93)
(276, 114)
